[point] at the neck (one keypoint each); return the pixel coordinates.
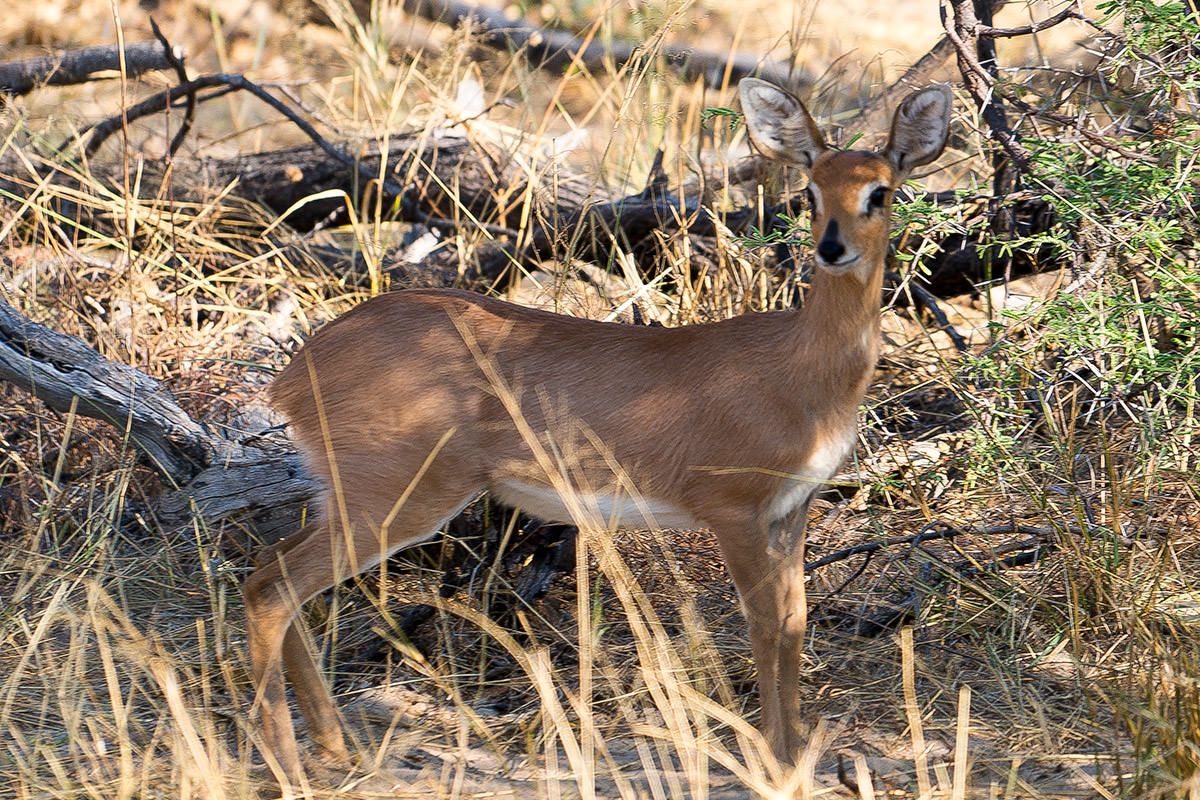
(839, 330)
(843, 308)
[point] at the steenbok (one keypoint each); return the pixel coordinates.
(413, 403)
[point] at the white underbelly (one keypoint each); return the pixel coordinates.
(594, 510)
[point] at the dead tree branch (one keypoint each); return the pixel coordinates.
(84, 64)
(941, 530)
(926, 301)
(988, 32)
(212, 476)
(557, 50)
(162, 100)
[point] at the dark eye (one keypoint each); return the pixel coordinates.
(877, 197)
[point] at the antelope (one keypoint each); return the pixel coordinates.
(415, 402)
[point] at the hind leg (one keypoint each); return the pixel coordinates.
(316, 705)
(317, 558)
(274, 594)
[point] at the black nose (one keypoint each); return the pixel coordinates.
(830, 248)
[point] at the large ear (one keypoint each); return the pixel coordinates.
(920, 128)
(779, 125)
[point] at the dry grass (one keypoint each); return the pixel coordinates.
(123, 671)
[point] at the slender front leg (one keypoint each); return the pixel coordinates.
(749, 561)
(789, 570)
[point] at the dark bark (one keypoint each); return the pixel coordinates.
(963, 28)
(457, 184)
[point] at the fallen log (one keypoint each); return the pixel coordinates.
(209, 475)
(558, 50)
(531, 207)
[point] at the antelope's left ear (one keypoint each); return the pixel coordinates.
(920, 128)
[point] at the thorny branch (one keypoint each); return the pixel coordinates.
(962, 27)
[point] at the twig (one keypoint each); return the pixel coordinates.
(988, 32)
(940, 530)
(160, 101)
(176, 63)
(929, 303)
(1031, 549)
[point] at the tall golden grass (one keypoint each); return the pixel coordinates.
(123, 671)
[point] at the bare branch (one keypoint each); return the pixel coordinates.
(942, 530)
(961, 27)
(213, 476)
(176, 62)
(162, 100)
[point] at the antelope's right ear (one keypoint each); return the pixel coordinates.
(779, 124)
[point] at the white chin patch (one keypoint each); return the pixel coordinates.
(838, 268)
